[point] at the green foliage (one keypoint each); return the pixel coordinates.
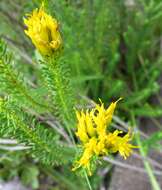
(13, 83)
(57, 80)
(111, 50)
(29, 176)
(153, 142)
(42, 142)
(11, 163)
(148, 111)
(116, 44)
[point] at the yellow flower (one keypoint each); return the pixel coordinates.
(87, 155)
(116, 143)
(92, 130)
(103, 117)
(43, 31)
(82, 131)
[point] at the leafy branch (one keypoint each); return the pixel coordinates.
(43, 142)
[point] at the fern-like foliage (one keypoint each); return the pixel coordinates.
(16, 123)
(57, 80)
(13, 84)
(43, 143)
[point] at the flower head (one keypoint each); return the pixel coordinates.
(117, 143)
(43, 31)
(92, 130)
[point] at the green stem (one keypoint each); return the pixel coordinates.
(134, 82)
(147, 166)
(87, 179)
(59, 87)
(70, 133)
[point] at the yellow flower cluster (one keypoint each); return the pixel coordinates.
(43, 31)
(96, 139)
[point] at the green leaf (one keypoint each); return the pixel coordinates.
(29, 176)
(148, 111)
(138, 97)
(153, 141)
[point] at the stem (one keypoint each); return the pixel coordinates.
(62, 94)
(59, 86)
(70, 133)
(87, 179)
(147, 166)
(134, 82)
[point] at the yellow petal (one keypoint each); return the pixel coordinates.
(43, 31)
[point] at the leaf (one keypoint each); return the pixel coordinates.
(29, 176)
(138, 97)
(148, 111)
(153, 141)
